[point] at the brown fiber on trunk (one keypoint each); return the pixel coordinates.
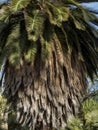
(47, 92)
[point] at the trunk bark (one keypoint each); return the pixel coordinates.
(46, 92)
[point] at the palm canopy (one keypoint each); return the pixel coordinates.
(50, 50)
(28, 21)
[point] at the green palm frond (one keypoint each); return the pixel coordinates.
(19, 4)
(5, 14)
(35, 24)
(57, 14)
(31, 52)
(11, 47)
(6, 30)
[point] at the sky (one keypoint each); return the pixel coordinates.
(91, 6)
(3, 1)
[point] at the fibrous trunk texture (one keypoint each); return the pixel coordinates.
(46, 93)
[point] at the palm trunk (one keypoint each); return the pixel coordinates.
(46, 92)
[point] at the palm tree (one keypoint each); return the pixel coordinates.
(50, 51)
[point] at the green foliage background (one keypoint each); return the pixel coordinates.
(88, 119)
